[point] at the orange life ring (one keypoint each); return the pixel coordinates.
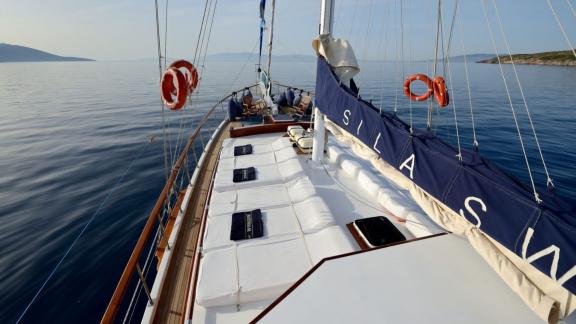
(180, 89)
(440, 91)
(191, 75)
(423, 78)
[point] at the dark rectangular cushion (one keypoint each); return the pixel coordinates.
(243, 149)
(247, 225)
(247, 174)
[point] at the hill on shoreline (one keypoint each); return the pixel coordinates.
(17, 53)
(558, 58)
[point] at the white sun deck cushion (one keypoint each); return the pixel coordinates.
(278, 195)
(258, 146)
(278, 221)
(246, 161)
(351, 167)
(335, 154)
(285, 154)
(328, 242)
(218, 279)
(265, 175)
(267, 270)
(313, 215)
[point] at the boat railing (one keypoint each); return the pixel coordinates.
(136, 275)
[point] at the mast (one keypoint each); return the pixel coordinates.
(270, 39)
(326, 22)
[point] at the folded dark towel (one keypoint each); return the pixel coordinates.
(379, 230)
(243, 150)
(247, 225)
(247, 174)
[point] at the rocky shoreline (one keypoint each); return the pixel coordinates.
(561, 58)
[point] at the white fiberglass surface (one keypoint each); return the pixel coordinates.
(406, 283)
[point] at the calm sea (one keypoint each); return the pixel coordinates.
(69, 130)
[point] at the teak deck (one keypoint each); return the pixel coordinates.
(171, 306)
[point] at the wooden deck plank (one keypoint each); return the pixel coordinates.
(171, 306)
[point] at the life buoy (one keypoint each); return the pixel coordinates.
(191, 75)
(420, 77)
(440, 91)
(179, 89)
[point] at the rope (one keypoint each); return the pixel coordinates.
(200, 32)
(549, 182)
(536, 197)
(402, 54)
(396, 71)
(164, 136)
(165, 32)
(57, 266)
(475, 143)
(438, 26)
(562, 26)
(571, 7)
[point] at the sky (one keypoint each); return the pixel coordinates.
(126, 29)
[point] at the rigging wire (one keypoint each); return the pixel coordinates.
(562, 26)
(447, 59)
(536, 197)
(435, 66)
(165, 146)
(165, 32)
(571, 7)
(396, 71)
(475, 143)
(81, 233)
(549, 182)
(200, 32)
(402, 53)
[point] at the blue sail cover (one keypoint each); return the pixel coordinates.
(262, 26)
(502, 207)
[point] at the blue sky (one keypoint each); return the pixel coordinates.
(125, 29)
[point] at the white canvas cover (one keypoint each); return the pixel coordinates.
(339, 54)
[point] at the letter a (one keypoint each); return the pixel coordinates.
(409, 164)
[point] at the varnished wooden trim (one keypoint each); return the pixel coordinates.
(264, 129)
(319, 264)
(361, 243)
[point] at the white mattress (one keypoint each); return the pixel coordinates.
(267, 270)
(329, 242)
(276, 195)
(259, 145)
(218, 279)
(278, 221)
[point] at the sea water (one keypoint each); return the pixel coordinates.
(70, 130)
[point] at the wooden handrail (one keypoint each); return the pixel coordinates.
(129, 269)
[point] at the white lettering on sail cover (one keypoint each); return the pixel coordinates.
(358, 129)
(551, 249)
(472, 211)
(376, 142)
(346, 119)
(409, 164)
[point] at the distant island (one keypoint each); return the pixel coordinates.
(559, 58)
(16, 53)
